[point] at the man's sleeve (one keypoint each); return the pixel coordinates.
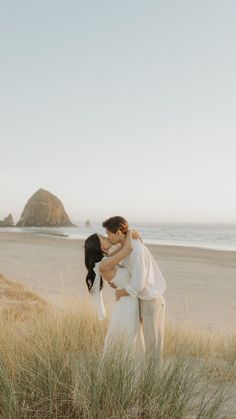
(138, 274)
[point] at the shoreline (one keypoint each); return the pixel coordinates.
(147, 242)
(201, 283)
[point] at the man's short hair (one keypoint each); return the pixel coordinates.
(116, 223)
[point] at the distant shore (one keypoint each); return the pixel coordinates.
(201, 283)
(203, 236)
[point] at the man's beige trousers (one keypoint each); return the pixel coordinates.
(152, 313)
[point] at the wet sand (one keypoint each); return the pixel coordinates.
(201, 283)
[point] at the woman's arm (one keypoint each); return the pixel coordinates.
(112, 261)
(117, 248)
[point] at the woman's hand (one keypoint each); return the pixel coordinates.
(136, 235)
(128, 247)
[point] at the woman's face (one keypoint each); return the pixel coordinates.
(105, 243)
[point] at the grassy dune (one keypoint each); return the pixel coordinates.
(51, 367)
(17, 302)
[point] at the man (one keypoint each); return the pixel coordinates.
(147, 284)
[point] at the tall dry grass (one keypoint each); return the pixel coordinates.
(51, 367)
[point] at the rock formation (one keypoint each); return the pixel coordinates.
(7, 222)
(44, 210)
(87, 223)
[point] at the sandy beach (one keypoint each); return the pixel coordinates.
(201, 283)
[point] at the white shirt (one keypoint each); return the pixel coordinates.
(147, 281)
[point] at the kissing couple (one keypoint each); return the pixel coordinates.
(125, 263)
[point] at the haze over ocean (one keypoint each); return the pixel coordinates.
(120, 108)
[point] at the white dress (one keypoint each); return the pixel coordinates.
(124, 322)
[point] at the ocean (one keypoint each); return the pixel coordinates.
(213, 236)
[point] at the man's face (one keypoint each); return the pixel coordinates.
(114, 238)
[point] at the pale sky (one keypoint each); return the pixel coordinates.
(120, 107)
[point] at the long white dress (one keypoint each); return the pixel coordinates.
(125, 321)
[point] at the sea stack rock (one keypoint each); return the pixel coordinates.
(44, 210)
(87, 223)
(7, 222)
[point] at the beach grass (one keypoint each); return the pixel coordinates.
(51, 367)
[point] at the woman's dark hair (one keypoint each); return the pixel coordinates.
(93, 254)
(116, 223)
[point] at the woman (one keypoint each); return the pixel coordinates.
(124, 323)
